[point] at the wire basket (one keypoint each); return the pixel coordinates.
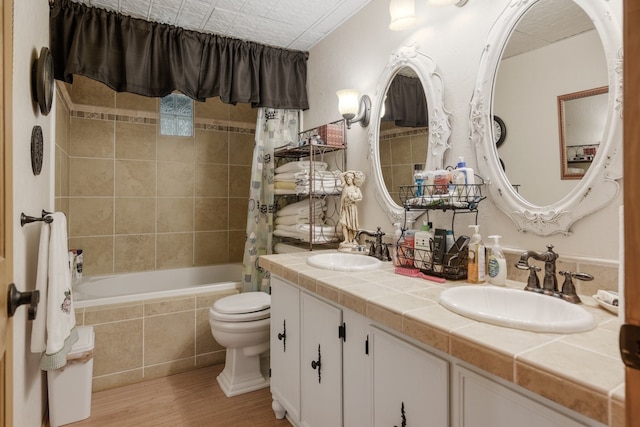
(452, 266)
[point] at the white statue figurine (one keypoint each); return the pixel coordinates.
(351, 181)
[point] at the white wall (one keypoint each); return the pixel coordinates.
(31, 195)
(355, 55)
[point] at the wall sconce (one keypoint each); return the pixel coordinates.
(403, 14)
(458, 3)
(353, 109)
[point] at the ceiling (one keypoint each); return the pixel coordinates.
(292, 24)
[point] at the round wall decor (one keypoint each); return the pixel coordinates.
(37, 150)
(43, 81)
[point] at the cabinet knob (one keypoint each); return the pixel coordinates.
(283, 336)
(318, 364)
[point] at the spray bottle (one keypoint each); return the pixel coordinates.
(476, 263)
(497, 264)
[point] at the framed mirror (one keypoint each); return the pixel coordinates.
(520, 78)
(581, 120)
(409, 126)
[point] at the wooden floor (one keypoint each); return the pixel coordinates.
(189, 399)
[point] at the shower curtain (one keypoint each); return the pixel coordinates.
(274, 128)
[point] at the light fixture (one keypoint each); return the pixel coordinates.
(403, 14)
(458, 3)
(353, 109)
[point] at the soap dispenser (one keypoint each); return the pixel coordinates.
(476, 262)
(497, 263)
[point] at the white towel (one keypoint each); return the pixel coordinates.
(54, 330)
(301, 207)
(300, 165)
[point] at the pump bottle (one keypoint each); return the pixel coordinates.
(497, 263)
(476, 263)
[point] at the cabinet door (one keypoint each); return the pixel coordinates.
(410, 386)
(356, 370)
(285, 347)
(481, 402)
(321, 369)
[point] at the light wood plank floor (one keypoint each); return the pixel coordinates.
(189, 399)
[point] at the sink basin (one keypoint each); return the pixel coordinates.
(344, 262)
(517, 309)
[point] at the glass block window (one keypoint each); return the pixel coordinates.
(176, 115)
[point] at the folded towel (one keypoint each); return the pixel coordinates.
(55, 327)
(304, 237)
(298, 219)
(284, 185)
(301, 207)
(301, 165)
(306, 228)
(286, 176)
(283, 191)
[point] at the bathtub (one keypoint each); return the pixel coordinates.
(139, 286)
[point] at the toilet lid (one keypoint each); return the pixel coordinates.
(246, 302)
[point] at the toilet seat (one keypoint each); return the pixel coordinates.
(244, 307)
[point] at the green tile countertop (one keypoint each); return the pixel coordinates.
(581, 371)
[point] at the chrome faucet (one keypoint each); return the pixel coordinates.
(377, 249)
(550, 281)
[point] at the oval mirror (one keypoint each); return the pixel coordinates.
(540, 54)
(409, 126)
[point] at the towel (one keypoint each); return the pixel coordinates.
(298, 219)
(300, 165)
(301, 207)
(54, 329)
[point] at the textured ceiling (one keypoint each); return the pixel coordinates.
(293, 24)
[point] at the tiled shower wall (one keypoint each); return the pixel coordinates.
(137, 200)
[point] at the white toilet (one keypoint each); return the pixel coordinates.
(240, 323)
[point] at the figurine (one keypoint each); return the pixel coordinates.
(351, 181)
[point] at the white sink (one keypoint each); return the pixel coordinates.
(517, 309)
(344, 262)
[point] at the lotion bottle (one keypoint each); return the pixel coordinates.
(476, 263)
(497, 263)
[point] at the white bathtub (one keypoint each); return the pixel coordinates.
(128, 287)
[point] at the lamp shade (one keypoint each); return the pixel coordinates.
(446, 2)
(348, 102)
(403, 14)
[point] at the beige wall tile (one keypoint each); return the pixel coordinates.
(385, 152)
(206, 300)
(212, 146)
(239, 180)
(175, 215)
(107, 382)
(212, 180)
(155, 307)
(98, 254)
(90, 217)
(170, 368)
(179, 327)
(91, 177)
(211, 214)
(176, 148)
(91, 138)
(134, 252)
(401, 150)
(135, 215)
(236, 245)
(205, 343)
(135, 141)
(175, 179)
(174, 250)
(211, 247)
(242, 112)
(62, 124)
(212, 108)
(210, 359)
(118, 347)
(131, 101)
(419, 147)
(238, 207)
(402, 175)
(241, 148)
(91, 92)
(135, 178)
(112, 313)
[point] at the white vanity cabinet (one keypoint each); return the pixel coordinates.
(410, 385)
(356, 370)
(285, 349)
(481, 402)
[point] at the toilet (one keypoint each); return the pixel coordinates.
(240, 323)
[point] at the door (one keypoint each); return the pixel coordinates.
(356, 370)
(632, 192)
(6, 233)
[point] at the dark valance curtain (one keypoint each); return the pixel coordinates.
(406, 103)
(152, 59)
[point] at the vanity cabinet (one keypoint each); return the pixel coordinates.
(481, 402)
(410, 385)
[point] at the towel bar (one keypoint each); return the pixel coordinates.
(26, 219)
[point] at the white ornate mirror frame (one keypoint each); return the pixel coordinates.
(439, 123)
(600, 184)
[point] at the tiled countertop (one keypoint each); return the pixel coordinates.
(580, 371)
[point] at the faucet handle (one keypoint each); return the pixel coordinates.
(568, 292)
(533, 282)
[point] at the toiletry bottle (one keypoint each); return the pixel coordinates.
(497, 264)
(409, 244)
(422, 247)
(449, 241)
(475, 265)
(427, 183)
(441, 180)
(418, 179)
(463, 178)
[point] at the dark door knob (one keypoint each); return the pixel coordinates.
(15, 299)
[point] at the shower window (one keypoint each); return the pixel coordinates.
(176, 115)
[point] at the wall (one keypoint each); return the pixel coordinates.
(455, 38)
(31, 195)
(137, 200)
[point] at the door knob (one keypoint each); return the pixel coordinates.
(15, 299)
